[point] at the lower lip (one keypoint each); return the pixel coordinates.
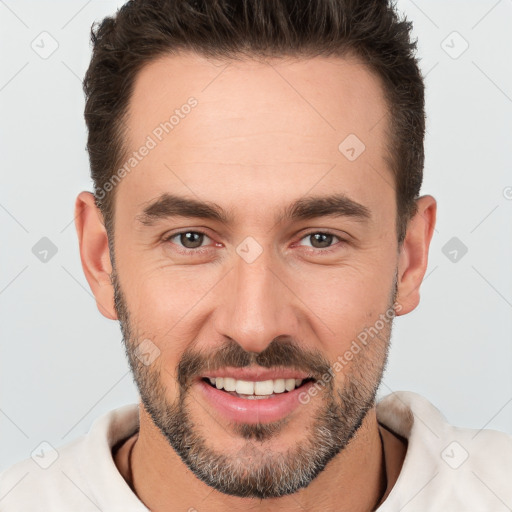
(245, 410)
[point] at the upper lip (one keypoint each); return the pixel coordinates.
(256, 374)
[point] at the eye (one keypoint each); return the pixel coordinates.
(188, 239)
(321, 240)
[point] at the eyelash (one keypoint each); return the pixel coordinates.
(202, 250)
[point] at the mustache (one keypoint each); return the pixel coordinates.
(281, 353)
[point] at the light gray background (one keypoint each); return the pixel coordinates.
(62, 364)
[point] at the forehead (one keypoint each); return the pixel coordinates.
(278, 126)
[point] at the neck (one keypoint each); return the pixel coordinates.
(355, 480)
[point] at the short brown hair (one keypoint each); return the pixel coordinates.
(142, 30)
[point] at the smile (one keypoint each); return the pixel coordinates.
(255, 389)
(253, 401)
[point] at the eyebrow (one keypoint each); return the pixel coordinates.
(334, 205)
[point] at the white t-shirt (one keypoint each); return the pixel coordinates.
(446, 469)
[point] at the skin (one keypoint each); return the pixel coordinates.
(262, 135)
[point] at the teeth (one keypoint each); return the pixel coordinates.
(229, 384)
(264, 387)
(289, 384)
(258, 388)
(245, 387)
(279, 385)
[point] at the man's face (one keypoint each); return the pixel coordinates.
(260, 288)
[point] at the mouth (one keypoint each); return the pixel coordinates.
(253, 401)
(256, 390)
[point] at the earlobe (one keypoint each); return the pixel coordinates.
(94, 252)
(413, 258)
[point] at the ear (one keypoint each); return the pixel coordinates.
(413, 259)
(94, 252)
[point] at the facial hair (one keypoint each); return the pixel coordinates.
(255, 471)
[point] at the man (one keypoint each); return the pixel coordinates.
(255, 227)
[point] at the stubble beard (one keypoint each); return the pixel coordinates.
(254, 470)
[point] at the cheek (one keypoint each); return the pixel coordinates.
(345, 302)
(160, 294)
(167, 306)
(349, 291)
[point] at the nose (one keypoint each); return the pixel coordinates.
(255, 305)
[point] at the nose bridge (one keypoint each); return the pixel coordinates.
(256, 308)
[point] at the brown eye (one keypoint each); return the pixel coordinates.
(188, 239)
(191, 239)
(320, 240)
